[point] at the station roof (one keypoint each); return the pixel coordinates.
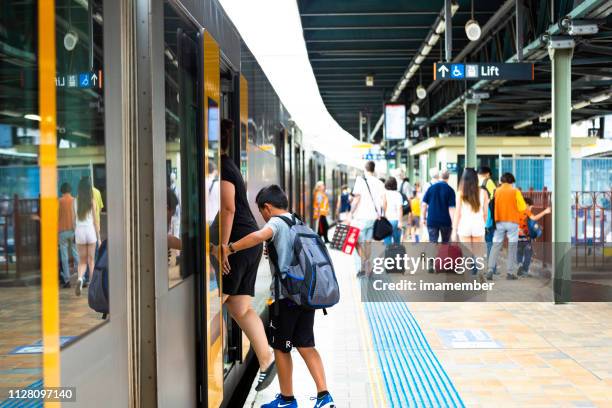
(347, 41)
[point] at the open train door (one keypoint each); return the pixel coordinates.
(208, 300)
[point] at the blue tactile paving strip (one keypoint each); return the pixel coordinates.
(25, 403)
(411, 371)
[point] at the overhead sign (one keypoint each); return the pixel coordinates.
(83, 80)
(508, 71)
(395, 122)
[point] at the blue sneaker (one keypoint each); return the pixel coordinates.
(279, 402)
(325, 401)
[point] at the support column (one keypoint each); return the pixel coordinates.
(470, 107)
(561, 58)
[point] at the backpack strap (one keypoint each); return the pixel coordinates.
(289, 221)
(371, 196)
(274, 258)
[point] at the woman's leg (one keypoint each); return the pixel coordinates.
(82, 250)
(239, 307)
(324, 228)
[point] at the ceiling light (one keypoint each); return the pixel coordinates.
(545, 117)
(32, 116)
(414, 109)
(441, 26)
(369, 80)
(426, 49)
(524, 124)
(433, 39)
(413, 69)
(407, 119)
(419, 59)
(70, 40)
(421, 92)
(10, 113)
(581, 104)
(472, 30)
(408, 75)
(600, 98)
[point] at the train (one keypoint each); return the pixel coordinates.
(141, 89)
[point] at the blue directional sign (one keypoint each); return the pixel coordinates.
(484, 71)
(84, 80)
(457, 71)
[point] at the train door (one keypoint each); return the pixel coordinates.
(298, 203)
(289, 164)
(234, 107)
(208, 302)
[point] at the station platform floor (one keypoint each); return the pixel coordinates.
(20, 331)
(425, 354)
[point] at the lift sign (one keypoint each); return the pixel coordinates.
(486, 71)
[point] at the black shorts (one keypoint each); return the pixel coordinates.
(291, 327)
(243, 272)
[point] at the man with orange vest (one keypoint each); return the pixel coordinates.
(320, 210)
(509, 204)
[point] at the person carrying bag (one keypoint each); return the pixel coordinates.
(382, 227)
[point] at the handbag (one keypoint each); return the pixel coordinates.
(382, 227)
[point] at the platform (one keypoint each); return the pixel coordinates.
(395, 354)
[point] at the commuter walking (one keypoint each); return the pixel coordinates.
(343, 207)
(437, 207)
(415, 213)
(405, 189)
(86, 232)
(509, 204)
(367, 202)
(66, 224)
(321, 210)
(471, 214)
(392, 209)
(487, 184)
(237, 221)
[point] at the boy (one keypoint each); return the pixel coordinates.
(525, 249)
(290, 325)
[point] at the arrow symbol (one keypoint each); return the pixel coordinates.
(94, 78)
(443, 70)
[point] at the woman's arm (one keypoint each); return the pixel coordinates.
(456, 214)
(94, 209)
(228, 208)
(485, 203)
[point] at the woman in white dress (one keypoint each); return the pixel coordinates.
(392, 206)
(471, 214)
(86, 231)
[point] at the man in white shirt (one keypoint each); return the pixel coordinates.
(366, 207)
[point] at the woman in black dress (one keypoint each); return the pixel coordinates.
(237, 221)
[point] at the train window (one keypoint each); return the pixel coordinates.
(78, 193)
(183, 150)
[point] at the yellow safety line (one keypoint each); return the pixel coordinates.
(373, 368)
(48, 196)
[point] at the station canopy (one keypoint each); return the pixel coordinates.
(350, 43)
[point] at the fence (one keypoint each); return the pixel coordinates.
(591, 222)
(535, 173)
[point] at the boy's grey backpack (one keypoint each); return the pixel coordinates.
(310, 280)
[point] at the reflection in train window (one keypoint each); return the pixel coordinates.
(183, 161)
(81, 176)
